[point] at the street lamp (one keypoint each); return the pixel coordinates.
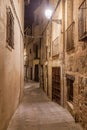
(48, 14)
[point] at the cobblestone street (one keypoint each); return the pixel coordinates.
(37, 112)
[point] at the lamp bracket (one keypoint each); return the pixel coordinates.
(39, 36)
(58, 21)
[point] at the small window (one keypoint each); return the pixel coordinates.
(30, 51)
(82, 21)
(70, 37)
(36, 51)
(10, 28)
(70, 81)
(55, 46)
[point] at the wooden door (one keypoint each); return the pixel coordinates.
(31, 73)
(36, 74)
(56, 84)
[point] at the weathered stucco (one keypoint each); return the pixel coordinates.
(11, 63)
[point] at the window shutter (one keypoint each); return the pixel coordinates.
(12, 31)
(8, 25)
(10, 28)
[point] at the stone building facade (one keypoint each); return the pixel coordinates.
(52, 56)
(62, 60)
(11, 58)
(27, 52)
(64, 57)
(32, 57)
(33, 44)
(75, 58)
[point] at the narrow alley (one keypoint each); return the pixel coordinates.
(43, 64)
(37, 112)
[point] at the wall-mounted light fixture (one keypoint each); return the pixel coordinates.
(48, 14)
(33, 37)
(58, 21)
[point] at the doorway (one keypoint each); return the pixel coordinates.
(42, 77)
(31, 74)
(56, 84)
(36, 73)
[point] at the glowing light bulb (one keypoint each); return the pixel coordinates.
(48, 13)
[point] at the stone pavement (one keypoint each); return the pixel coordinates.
(37, 112)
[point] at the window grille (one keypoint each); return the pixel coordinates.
(82, 21)
(70, 37)
(10, 28)
(70, 81)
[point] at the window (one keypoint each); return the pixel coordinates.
(35, 48)
(30, 51)
(70, 37)
(70, 81)
(10, 28)
(36, 51)
(70, 27)
(82, 21)
(55, 46)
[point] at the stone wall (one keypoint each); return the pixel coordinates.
(72, 62)
(52, 32)
(11, 63)
(80, 101)
(76, 65)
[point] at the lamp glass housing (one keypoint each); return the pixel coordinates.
(48, 13)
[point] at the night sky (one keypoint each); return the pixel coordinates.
(29, 10)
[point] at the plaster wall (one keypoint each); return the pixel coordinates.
(11, 63)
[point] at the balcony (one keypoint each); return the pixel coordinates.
(70, 37)
(55, 46)
(82, 21)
